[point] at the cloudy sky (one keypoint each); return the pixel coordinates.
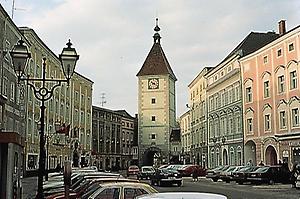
(113, 37)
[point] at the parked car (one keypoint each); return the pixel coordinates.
(128, 190)
(270, 175)
(175, 167)
(214, 174)
(146, 172)
(188, 170)
(241, 176)
(133, 170)
(88, 186)
(165, 176)
(182, 195)
(227, 175)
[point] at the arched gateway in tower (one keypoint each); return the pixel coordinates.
(156, 105)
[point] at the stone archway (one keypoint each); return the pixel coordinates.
(271, 156)
(152, 156)
(250, 152)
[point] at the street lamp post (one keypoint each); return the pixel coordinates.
(68, 59)
(57, 125)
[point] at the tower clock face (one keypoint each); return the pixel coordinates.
(153, 83)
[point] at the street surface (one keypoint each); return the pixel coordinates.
(231, 190)
(236, 191)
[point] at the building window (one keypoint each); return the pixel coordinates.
(291, 47)
(267, 122)
(293, 80)
(295, 117)
(5, 84)
(265, 59)
(249, 125)
(282, 118)
(281, 84)
(12, 92)
(153, 101)
(153, 118)
(153, 136)
(266, 89)
(248, 94)
(279, 52)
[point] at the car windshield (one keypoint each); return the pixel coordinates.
(133, 167)
(148, 169)
(262, 170)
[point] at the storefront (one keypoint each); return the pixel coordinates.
(11, 164)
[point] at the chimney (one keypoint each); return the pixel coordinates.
(281, 27)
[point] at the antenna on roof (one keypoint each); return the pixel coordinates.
(103, 101)
(13, 8)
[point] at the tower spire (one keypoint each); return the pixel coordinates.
(156, 35)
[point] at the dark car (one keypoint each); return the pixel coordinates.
(189, 170)
(146, 172)
(165, 176)
(241, 176)
(270, 175)
(214, 174)
(227, 175)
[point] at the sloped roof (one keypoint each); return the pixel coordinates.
(156, 63)
(253, 42)
(124, 113)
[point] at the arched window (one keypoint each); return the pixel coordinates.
(232, 162)
(239, 155)
(212, 162)
(217, 157)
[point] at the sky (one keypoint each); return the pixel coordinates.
(113, 37)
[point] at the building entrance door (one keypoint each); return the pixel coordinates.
(271, 156)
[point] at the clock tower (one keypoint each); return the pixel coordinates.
(156, 105)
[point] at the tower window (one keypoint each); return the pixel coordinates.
(153, 101)
(153, 118)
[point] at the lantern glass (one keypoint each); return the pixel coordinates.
(20, 56)
(68, 59)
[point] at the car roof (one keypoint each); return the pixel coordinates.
(147, 166)
(182, 195)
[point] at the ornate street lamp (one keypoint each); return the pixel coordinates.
(68, 59)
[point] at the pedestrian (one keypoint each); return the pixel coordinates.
(249, 163)
(261, 163)
(295, 173)
(195, 175)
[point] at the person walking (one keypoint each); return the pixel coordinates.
(195, 175)
(261, 163)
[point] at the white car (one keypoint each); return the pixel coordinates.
(182, 195)
(297, 182)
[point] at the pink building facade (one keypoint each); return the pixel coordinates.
(271, 100)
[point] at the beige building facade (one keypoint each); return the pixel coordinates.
(198, 119)
(69, 106)
(156, 106)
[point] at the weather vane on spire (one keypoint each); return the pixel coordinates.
(156, 35)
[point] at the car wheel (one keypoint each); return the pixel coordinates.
(227, 181)
(179, 184)
(240, 183)
(215, 179)
(271, 182)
